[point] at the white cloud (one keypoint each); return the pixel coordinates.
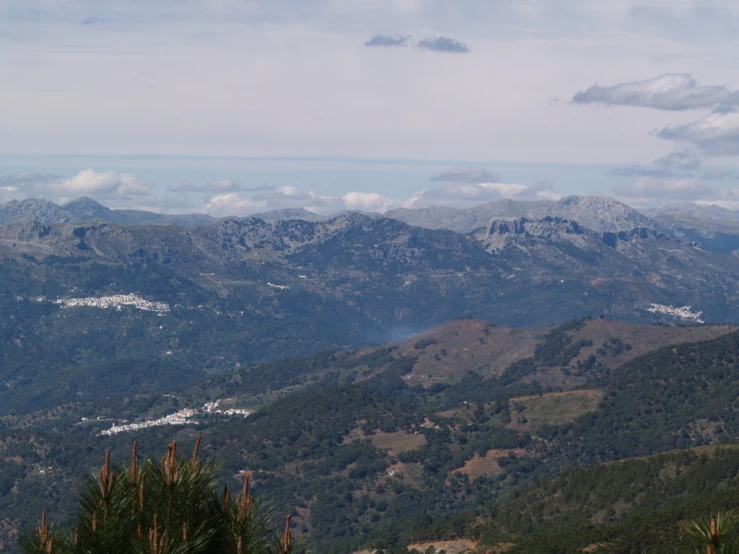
(715, 134)
(448, 194)
(386, 41)
(285, 197)
(9, 192)
(115, 190)
(89, 181)
(17, 186)
(729, 204)
(218, 185)
(682, 159)
(444, 44)
(233, 204)
(292, 197)
(470, 194)
(651, 192)
(158, 78)
(370, 202)
(671, 91)
(222, 185)
(649, 187)
(543, 190)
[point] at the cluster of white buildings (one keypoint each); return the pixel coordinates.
(183, 417)
(683, 312)
(212, 408)
(115, 301)
(178, 418)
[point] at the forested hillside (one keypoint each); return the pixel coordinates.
(241, 291)
(389, 446)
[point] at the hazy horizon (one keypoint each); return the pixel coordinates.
(241, 107)
(332, 213)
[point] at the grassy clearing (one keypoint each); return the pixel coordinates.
(459, 546)
(394, 443)
(411, 474)
(397, 442)
(530, 413)
(488, 464)
(640, 338)
(445, 354)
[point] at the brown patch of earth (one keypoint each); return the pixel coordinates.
(641, 339)
(394, 443)
(458, 546)
(411, 474)
(529, 413)
(400, 441)
(499, 548)
(488, 464)
(445, 354)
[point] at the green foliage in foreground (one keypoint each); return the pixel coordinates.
(715, 535)
(168, 507)
(315, 447)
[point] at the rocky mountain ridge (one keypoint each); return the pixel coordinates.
(714, 227)
(86, 209)
(288, 214)
(36, 209)
(507, 231)
(515, 265)
(598, 213)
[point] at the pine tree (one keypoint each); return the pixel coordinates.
(718, 534)
(169, 506)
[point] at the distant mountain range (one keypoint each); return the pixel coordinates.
(713, 227)
(594, 212)
(279, 284)
(516, 271)
(87, 209)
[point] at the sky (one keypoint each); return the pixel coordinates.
(235, 107)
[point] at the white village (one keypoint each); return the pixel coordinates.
(181, 417)
(685, 312)
(114, 301)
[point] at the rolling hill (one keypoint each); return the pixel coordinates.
(351, 433)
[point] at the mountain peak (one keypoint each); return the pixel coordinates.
(352, 217)
(86, 209)
(592, 199)
(600, 213)
(30, 202)
(37, 209)
(547, 227)
(83, 200)
(288, 214)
